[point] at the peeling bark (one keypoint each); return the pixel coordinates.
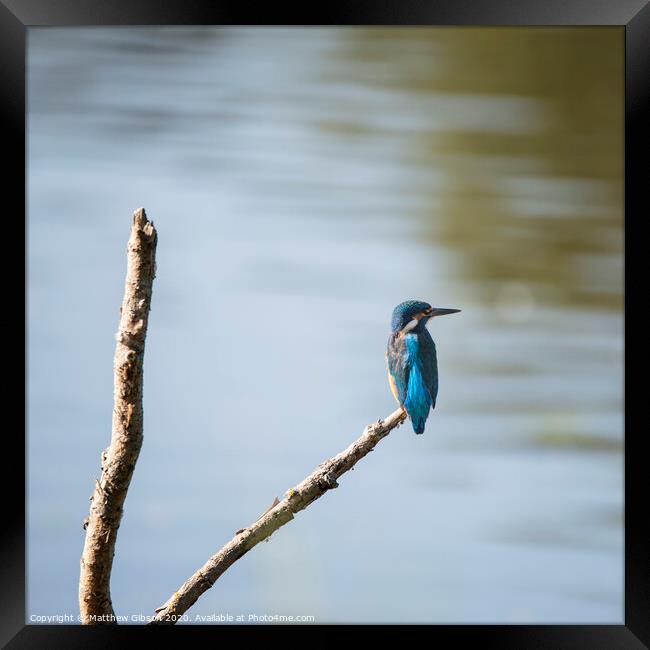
(322, 479)
(118, 461)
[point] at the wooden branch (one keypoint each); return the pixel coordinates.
(322, 479)
(118, 461)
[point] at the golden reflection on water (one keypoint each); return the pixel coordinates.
(533, 194)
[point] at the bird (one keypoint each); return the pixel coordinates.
(411, 359)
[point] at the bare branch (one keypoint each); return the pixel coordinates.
(322, 479)
(118, 461)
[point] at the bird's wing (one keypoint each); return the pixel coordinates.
(398, 367)
(429, 365)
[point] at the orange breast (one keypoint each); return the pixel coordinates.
(393, 387)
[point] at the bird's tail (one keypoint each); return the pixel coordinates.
(418, 425)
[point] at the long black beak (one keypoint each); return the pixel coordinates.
(439, 311)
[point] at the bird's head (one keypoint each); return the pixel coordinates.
(413, 315)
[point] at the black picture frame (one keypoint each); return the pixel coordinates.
(631, 15)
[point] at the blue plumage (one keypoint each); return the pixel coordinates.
(412, 360)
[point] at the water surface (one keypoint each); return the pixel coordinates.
(303, 182)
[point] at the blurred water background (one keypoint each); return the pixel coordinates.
(303, 182)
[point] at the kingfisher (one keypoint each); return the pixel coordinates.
(411, 359)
